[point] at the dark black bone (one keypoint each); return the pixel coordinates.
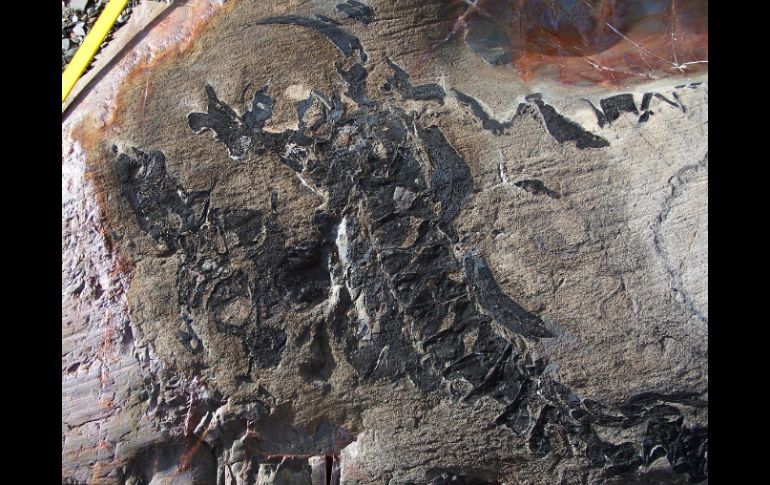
(261, 110)
(245, 223)
(487, 122)
(228, 128)
(666, 100)
(205, 281)
(357, 11)
(538, 441)
(451, 182)
(326, 19)
(688, 453)
(564, 129)
(537, 187)
(497, 304)
(345, 42)
(645, 108)
(355, 78)
(600, 118)
(688, 398)
(495, 374)
(681, 106)
(617, 104)
(331, 111)
(163, 209)
(400, 81)
(646, 101)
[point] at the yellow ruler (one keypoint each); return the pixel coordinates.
(90, 45)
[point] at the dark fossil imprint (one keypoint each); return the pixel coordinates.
(385, 237)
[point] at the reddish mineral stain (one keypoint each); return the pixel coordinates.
(608, 42)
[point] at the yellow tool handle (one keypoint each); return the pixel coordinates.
(90, 45)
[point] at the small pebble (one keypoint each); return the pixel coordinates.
(79, 30)
(78, 5)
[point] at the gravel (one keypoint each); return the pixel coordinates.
(77, 18)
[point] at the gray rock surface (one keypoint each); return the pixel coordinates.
(308, 247)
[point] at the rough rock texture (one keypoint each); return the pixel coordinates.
(325, 242)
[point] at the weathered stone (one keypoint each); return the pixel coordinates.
(379, 262)
(78, 5)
